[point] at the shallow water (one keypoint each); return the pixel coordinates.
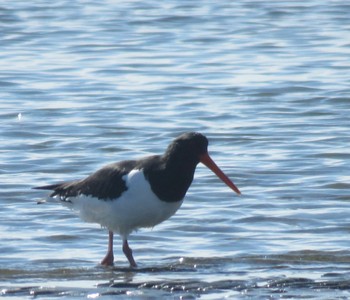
(86, 83)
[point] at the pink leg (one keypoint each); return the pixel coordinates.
(128, 253)
(109, 258)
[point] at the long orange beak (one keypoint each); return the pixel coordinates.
(208, 162)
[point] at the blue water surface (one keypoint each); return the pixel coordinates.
(86, 83)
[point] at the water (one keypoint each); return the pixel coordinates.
(85, 83)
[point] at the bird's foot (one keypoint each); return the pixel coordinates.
(108, 260)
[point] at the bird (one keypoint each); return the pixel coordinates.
(131, 194)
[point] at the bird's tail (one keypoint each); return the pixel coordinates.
(48, 187)
(51, 187)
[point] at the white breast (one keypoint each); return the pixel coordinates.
(135, 208)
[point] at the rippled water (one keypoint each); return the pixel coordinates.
(85, 83)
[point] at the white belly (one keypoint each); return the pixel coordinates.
(135, 208)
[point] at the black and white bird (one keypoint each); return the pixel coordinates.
(132, 194)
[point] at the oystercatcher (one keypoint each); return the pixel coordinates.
(131, 194)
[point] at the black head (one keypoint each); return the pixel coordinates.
(188, 147)
(192, 147)
(171, 178)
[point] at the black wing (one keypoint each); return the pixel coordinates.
(106, 183)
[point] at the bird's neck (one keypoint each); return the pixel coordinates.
(171, 180)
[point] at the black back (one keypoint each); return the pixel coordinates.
(106, 183)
